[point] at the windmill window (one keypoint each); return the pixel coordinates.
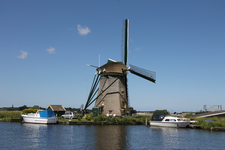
(110, 112)
(122, 92)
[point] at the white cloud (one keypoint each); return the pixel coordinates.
(137, 49)
(51, 50)
(23, 55)
(82, 30)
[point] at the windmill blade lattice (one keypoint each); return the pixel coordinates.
(146, 74)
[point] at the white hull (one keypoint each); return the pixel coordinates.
(41, 116)
(169, 124)
(39, 120)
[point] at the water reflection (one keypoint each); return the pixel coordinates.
(111, 137)
(38, 136)
(167, 137)
(33, 134)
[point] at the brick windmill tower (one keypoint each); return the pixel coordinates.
(112, 98)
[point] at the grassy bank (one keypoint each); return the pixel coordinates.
(88, 118)
(108, 120)
(212, 122)
(10, 115)
(208, 122)
(73, 120)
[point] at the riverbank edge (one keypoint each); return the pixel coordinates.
(113, 123)
(99, 123)
(80, 123)
(11, 120)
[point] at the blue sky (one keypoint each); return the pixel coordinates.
(45, 46)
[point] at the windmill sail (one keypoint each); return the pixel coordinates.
(146, 74)
(125, 42)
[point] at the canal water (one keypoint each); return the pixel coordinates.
(103, 137)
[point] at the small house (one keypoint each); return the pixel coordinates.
(58, 109)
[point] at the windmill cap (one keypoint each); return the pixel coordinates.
(114, 68)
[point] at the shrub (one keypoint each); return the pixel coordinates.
(118, 121)
(88, 118)
(189, 115)
(107, 120)
(29, 110)
(99, 118)
(142, 120)
(200, 121)
(113, 120)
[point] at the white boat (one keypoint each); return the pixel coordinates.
(41, 116)
(165, 120)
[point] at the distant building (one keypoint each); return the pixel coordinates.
(211, 111)
(58, 109)
(212, 108)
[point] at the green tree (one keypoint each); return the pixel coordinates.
(23, 107)
(164, 111)
(35, 107)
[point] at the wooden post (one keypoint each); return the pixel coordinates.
(146, 122)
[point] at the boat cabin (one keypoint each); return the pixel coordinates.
(158, 117)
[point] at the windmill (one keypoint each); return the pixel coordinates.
(112, 92)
